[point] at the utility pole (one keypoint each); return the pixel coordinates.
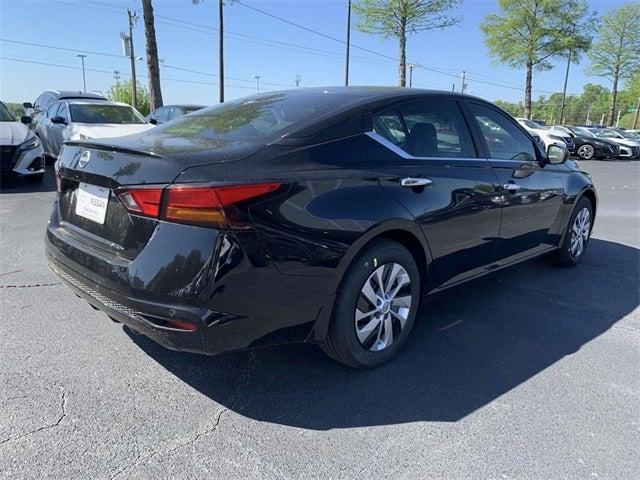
(564, 91)
(464, 78)
(221, 48)
(257, 77)
(84, 80)
(411, 65)
(635, 118)
(134, 87)
(297, 80)
(346, 61)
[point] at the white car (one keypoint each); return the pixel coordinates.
(20, 150)
(547, 136)
(628, 142)
(83, 119)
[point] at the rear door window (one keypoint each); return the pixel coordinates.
(436, 128)
(388, 125)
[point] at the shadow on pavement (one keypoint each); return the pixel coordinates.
(471, 345)
(22, 185)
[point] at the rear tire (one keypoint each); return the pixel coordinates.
(576, 236)
(370, 324)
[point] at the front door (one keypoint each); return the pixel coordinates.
(424, 157)
(532, 189)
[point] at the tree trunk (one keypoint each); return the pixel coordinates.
(527, 90)
(614, 97)
(155, 92)
(221, 48)
(402, 66)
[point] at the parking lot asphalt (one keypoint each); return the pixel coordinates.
(530, 373)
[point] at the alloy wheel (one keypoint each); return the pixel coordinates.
(383, 307)
(586, 152)
(580, 232)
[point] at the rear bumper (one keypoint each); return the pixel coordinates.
(228, 289)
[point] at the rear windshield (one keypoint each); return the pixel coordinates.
(104, 113)
(257, 118)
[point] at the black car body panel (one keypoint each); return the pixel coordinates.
(339, 187)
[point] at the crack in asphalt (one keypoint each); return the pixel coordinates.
(32, 285)
(63, 414)
(140, 459)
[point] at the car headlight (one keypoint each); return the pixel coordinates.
(30, 143)
(83, 137)
(555, 137)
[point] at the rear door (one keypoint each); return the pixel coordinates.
(532, 189)
(424, 156)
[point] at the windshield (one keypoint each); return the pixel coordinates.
(256, 118)
(582, 131)
(629, 135)
(531, 124)
(104, 113)
(5, 114)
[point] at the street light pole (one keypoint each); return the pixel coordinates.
(134, 86)
(257, 77)
(346, 62)
(84, 79)
(411, 65)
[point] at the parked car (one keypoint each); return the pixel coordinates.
(170, 112)
(549, 137)
(587, 145)
(629, 146)
(37, 109)
(86, 119)
(315, 214)
(20, 150)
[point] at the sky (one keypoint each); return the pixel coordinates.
(255, 44)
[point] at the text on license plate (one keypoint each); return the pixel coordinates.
(91, 202)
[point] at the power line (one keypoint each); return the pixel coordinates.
(110, 72)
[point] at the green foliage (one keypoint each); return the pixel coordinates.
(616, 52)
(531, 32)
(394, 18)
(16, 109)
(121, 92)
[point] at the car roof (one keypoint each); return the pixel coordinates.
(184, 105)
(68, 94)
(94, 101)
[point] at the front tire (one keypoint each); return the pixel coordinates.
(576, 236)
(586, 152)
(376, 306)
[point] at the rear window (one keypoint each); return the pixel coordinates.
(257, 118)
(104, 113)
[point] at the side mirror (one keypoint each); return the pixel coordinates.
(153, 121)
(25, 119)
(59, 120)
(27, 105)
(557, 154)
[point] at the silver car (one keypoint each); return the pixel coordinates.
(84, 119)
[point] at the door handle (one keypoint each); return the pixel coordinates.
(412, 182)
(511, 187)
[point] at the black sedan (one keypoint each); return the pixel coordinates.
(588, 146)
(313, 215)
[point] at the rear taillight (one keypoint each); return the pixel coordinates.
(143, 201)
(196, 205)
(211, 206)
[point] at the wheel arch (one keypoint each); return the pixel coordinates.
(404, 232)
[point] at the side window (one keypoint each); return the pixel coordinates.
(52, 111)
(504, 139)
(175, 113)
(388, 124)
(437, 129)
(39, 101)
(62, 111)
(162, 114)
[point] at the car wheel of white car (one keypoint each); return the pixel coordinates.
(586, 152)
